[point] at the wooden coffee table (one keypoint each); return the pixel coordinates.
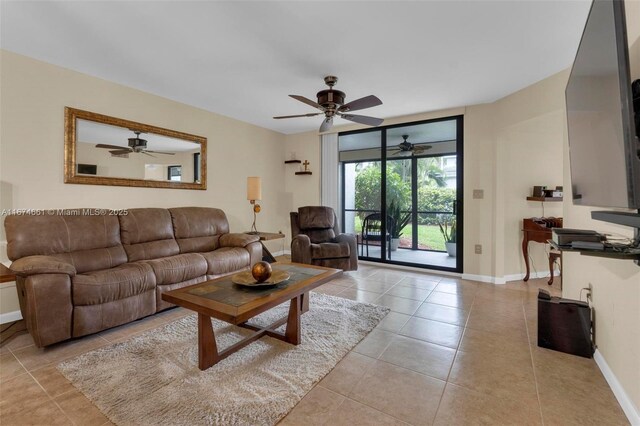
(222, 299)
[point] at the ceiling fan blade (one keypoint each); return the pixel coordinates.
(363, 119)
(307, 101)
(327, 124)
(160, 152)
(120, 151)
(146, 153)
(311, 114)
(101, 145)
(362, 103)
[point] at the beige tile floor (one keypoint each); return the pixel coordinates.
(450, 352)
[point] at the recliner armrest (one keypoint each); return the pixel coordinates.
(301, 249)
(237, 240)
(353, 248)
(34, 265)
(345, 238)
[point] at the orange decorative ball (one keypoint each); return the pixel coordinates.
(261, 271)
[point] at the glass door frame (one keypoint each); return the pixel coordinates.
(458, 208)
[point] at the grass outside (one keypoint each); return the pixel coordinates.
(429, 236)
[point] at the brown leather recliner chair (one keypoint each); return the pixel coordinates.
(316, 239)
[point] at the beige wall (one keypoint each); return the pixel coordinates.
(33, 97)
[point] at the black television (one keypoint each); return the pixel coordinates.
(604, 148)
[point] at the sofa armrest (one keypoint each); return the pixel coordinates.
(46, 306)
(34, 265)
(353, 248)
(237, 240)
(301, 249)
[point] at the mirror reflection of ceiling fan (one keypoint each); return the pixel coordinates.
(331, 103)
(406, 148)
(136, 145)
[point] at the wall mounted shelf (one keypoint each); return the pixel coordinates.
(304, 173)
(606, 252)
(543, 199)
(292, 162)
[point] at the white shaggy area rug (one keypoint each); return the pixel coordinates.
(154, 379)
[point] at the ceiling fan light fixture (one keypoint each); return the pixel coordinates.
(327, 124)
(331, 103)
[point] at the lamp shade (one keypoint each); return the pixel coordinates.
(254, 188)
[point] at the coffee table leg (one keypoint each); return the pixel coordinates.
(305, 302)
(292, 333)
(207, 348)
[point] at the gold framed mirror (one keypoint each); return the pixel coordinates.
(103, 150)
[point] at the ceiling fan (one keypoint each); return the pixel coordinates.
(331, 104)
(407, 148)
(136, 145)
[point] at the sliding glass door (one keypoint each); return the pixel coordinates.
(402, 193)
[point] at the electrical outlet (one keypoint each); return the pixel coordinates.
(478, 194)
(478, 248)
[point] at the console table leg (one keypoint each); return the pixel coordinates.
(207, 348)
(292, 333)
(525, 253)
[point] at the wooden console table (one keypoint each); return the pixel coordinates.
(267, 236)
(6, 274)
(539, 231)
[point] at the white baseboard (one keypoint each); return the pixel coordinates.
(533, 275)
(629, 408)
(10, 317)
(503, 280)
(484, 278)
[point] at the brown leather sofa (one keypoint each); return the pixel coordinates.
(316, 239)
(84, 271)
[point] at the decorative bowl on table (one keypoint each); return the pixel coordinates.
(246, 279)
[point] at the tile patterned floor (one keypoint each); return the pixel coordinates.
(450, 352)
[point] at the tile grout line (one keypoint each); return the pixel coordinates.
(43, 389)
(533, 367)
(358, 402)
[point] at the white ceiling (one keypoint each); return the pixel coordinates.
(242, 59)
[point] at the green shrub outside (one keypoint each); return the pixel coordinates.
(430, 198)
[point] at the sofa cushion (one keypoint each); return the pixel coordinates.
(330, 250)
(178, 268)
(226, 259)
(107, 285)
(86, 238)
(161, 304)
(197, 229)
(147, 234)
(89, 319)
